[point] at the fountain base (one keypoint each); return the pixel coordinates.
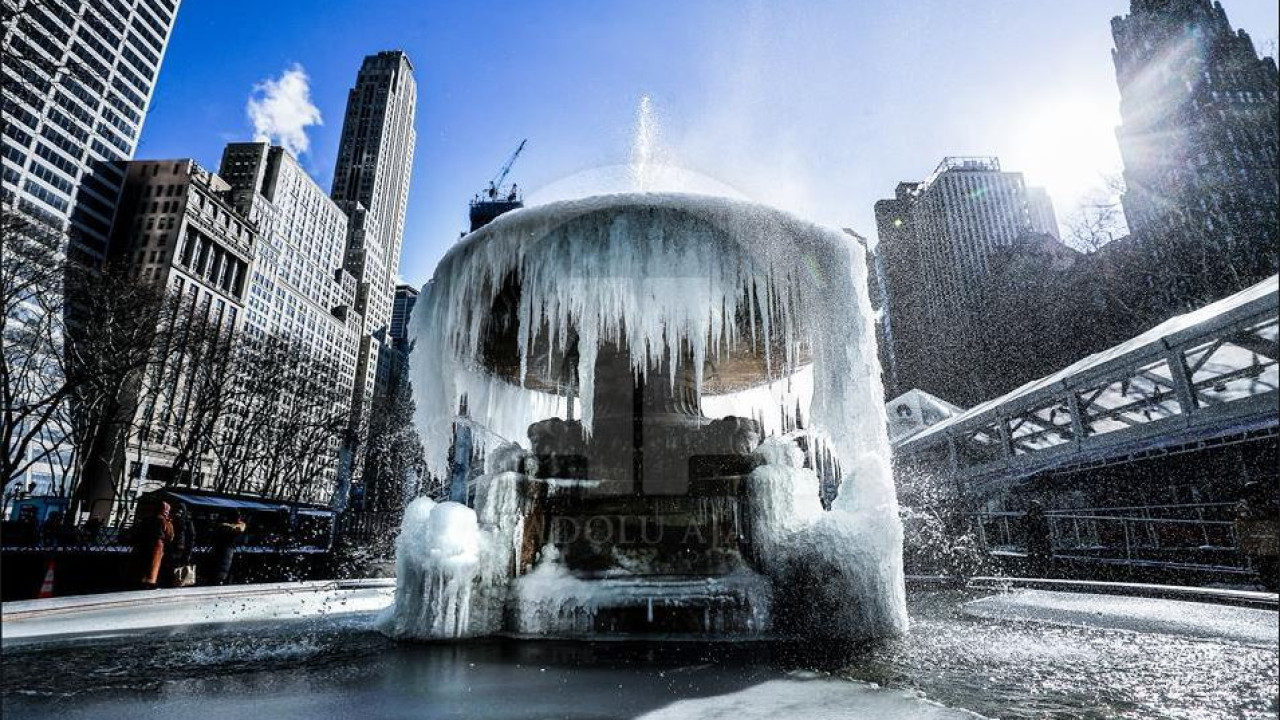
(551, 603)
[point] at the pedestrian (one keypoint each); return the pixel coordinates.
(1039, 537)
(92, 530)
(178, 554)
(150, 534)
(225, 538)
(284, 521)
(51, 532)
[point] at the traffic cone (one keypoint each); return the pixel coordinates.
(46, 589)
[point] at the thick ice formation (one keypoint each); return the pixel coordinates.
(454, 563)
(668, 275)
(438, 556)
(839, 572)
(551, 601)
(680, 282)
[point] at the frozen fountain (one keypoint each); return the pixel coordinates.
(658, 383)
(664, 392)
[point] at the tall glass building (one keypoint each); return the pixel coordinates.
(371, 181)
(78, 78)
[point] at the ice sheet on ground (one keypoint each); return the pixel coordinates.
(1153, 615)
(815, 698)
(127, 612)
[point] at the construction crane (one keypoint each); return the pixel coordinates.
(491, 203)
(495, 185)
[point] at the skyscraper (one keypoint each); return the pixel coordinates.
(371, 181)
(298, 287)
(1199, 143)
(256, 250)
(943, 230)
(78, 79)
(937, 242)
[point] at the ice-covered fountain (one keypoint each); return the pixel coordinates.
(656, 381)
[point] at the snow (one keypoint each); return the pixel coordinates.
(1148, 615)
(814, 697)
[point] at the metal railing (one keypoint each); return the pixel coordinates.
(370, 528)
(111, 539)
(1195, 534)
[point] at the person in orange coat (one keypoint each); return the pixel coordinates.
(149, 537)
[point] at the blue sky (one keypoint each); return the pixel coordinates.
(816, 107)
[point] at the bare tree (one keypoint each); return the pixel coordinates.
(114, 322)
(1181, 264)
(203, 385)
(242, 446)
(394, 461)
(283, 422)
(75, 338)
(32, 387)
(1099, 220)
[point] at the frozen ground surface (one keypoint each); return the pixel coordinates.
(116, 613)
(802, 695)
(1147, 615)
(320, 666)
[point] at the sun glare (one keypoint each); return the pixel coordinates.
(1069, 147)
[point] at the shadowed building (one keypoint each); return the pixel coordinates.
(937, 240)
(1199, 144)
(77, 80)
(176, 228)
(401, 311)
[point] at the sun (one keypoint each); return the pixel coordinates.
(1067, 146)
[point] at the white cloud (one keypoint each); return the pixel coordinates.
(281, 110)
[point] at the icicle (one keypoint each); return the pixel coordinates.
(668, 272)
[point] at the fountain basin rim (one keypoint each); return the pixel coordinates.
(28, 609)
(127, 614)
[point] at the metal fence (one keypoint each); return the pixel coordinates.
(1193, 534)
(369, 529)
(20, 538)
